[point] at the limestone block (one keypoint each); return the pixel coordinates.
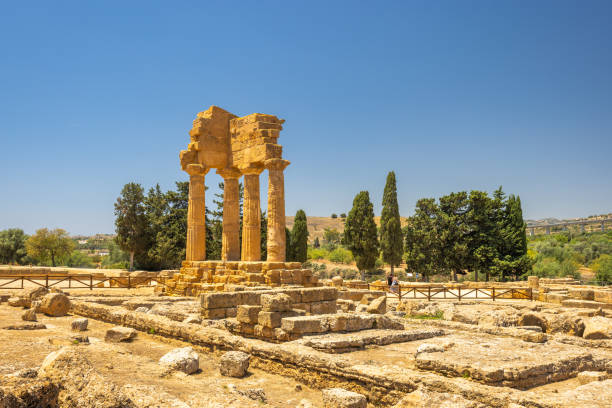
(273, 276)
(586, 377)
(378, 306)
(79, 324)
(341, 398)
(304, 324)
(591, 304)
(234, 364)
(581, 293)
(324, 307)
(29, 315)
(269, 319)
(119, 333)
(219, 313)
(429, 348)
(533, 319)
(192, 319)
(230, 312)
(286, 277)
(262, 331)
(183, 359)
(604, 296)
(247, 313)
(276, 302)
(555, 297)
(337, 281)
(597, 327)
(215, 300)
(293, 265)
(245, 328)
(533, 282)
(319, 294)
(55, 304)
(368, 298)
(18, 302)
(142, 309)
(252, 267)
(302, 306)
(360, 322)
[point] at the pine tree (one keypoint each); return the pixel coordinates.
(423, 243)
(453, 228)
(360, 235)
(482, 233)
(299, 237)
(391, 241)
(131, 220)
(264, 235)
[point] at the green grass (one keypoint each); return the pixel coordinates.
(438, 316)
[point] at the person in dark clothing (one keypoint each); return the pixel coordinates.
(389, 279)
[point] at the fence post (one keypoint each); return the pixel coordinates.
(493, 292)
(531, 294)
(129, 283)
(399, 292)
(21, 281)
(459, 289)
(90, 282)
(429, 293)
(47, 281)
(69, 281)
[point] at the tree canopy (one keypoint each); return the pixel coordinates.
(360, 235)
(49, 246)
(12, 246)
(391, 240)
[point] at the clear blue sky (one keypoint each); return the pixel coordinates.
(455, 95)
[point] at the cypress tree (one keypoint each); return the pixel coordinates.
(391, 241)
(131, 221)
(299, 237)
(360, 234)
(288, 247)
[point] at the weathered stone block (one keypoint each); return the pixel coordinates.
(276, 302)
(234, 364)
(269, 319)
(310, 295)
(248, 313)
(262, 331)
(304, 324)
(341, 398)
(581, 293)
(214, 313)
(324, 307)
(119, 333)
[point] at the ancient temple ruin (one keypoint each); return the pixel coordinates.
(236, 147)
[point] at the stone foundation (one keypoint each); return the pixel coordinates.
(196, 277)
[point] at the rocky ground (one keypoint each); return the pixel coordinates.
(448, 354)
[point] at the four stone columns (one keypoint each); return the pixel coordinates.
(196, 226)
(276, 210)
(251, 222)
(230, 250)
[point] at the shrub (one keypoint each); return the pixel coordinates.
(317, 253)
(603, 269)
(341, 255)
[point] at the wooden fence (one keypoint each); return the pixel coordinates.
(90, 282)
(441, 293)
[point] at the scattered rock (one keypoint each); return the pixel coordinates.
(337, 281)
(532, 319)
(26, 326)
(18, 302)
(341, 398)
(298, 387)
(25, 373)
(81, 384)
(193, 319)
(183, 359)
(598, 327)
(304, 403)
(79, 324)
(361, 308)
(119, 333)
(141, 309)
(55, 304)
(422, 398)
(256, 394)
(367, 298)
(533, 337)
(29, 315)
(589, 376)
(79, 338)
(429, 348)
(378, 306)
(234, 364)
(35, 305)
(537, 329)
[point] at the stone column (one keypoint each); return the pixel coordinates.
(230, 250)
(251, 222)
(276, 210)
(196, 226)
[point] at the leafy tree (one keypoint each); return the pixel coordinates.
(316, 243)
(360, 235)
(343, 215)
(78, 259)
(453, 232)
(45, 245)
(423, 243)
(331, 238)
(603, 269)
(334, 215)
(12, 246)
(391, 241)
(299, 237)
(131, 221)
(171, 238)
(117, 259)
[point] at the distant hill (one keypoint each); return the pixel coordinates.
(556, 220)
(317, 225)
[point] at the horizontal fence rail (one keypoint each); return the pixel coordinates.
(18, 281)
(441, 293)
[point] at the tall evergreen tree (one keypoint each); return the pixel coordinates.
(391, 241)
(288, 246)
(360, 235)
(131, 221)
(513, 260)
(264, 235)
(299, 237)
(171, 239)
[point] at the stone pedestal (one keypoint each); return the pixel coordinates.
(196, 226)
(276, 210)
(230, 250)
(251, 222)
